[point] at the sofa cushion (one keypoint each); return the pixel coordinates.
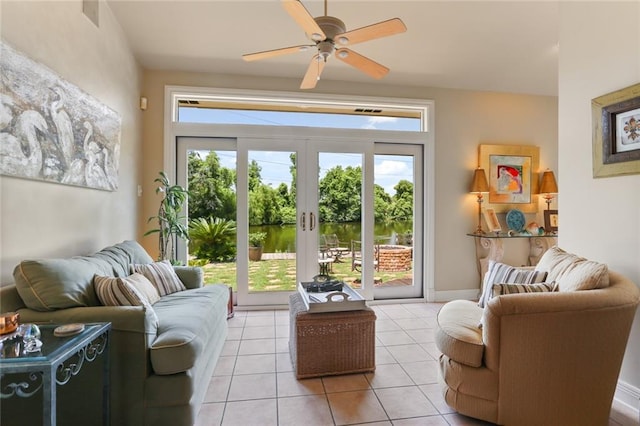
(457, 333)
(162, 276)
(185, 327)
(134, 290)
(500, 273)
(50, 284)
(573, 272)
(502, 289)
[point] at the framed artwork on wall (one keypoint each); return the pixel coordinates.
(616, 132)
(512, 175)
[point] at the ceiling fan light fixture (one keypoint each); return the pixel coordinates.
(343, 53)
(316, 37)
(343, 40)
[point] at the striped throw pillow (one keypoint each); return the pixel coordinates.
(500, 289)
(162, 276)
(498, 273)
(125, 291)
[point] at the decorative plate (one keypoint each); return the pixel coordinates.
(515, 220)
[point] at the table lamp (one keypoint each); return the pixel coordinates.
(548, 187)
(478, 186)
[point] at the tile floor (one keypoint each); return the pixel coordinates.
(254, 385)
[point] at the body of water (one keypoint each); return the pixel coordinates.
(282, 238)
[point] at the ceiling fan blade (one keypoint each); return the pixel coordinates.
(371, 32)
(313, 73)
(302, 16)
(363, 63)
(276, 52)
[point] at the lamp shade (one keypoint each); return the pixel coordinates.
(548, 184)
(479, 183)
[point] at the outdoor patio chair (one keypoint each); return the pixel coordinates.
(356, 255)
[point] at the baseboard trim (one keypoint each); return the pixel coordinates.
(629, 396)
(446, 296)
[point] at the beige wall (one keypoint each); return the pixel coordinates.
(600, 217)
(49, 220)
(463, 120)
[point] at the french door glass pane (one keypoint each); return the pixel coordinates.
(394, 217)
(272, 221)
(211, 181)
(340, 215)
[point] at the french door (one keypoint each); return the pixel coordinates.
(323, 188)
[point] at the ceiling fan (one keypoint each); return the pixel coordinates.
(329, 34)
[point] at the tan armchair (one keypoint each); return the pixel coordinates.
(538, 358)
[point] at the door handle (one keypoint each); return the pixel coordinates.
(312, 221)
(303, 221)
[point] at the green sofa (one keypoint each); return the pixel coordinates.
(161, 358)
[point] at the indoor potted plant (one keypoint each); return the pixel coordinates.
(256, 239)
(171, 225)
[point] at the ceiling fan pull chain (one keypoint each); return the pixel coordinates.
(325, 8)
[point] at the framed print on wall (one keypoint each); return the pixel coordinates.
(551, 221)
(616, 132)
(512, 175)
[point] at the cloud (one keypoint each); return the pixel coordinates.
(372, 122)
(394, 168)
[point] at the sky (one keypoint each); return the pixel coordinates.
(388, 169)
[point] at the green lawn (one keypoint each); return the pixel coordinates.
(280, 275)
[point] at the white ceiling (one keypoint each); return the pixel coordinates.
(505, 46)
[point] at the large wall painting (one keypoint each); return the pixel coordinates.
(53, 131)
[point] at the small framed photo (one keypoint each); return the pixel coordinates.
(492, 220)
(551, 221)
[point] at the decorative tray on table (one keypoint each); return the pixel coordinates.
(325, 294)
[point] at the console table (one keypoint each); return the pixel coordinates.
(489, 247)
(55, 364)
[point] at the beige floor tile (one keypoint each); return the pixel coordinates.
(310, 410)
(267, 332)
(434, 393)
(230, 348)
(282, 345)
(252, 386)
(288, 385)
(389, 375)
(408, 353)
(356, 407)
(257, 346)
(225, 366)
(397, 312)
(218, 389)
(282, 331)
(404, 402)
(283, 362)
(431, 349)
(383, 356)
(422, 421)
(255, 364)
(210, 414)
(398, 337)
(344, 383)
(422, 372)
(260, 321)
(422, 335)
(386, 325)
(235, 333)
(236, 321)
(261, 313)
(386, 423)
(263, 412)
(414, 323)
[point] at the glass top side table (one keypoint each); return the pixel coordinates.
(59, 359)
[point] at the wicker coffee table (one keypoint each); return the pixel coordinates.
(330, 343)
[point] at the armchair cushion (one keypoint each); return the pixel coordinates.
(458, 335)
(573, 272)
(500, 289)
(499, 273)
